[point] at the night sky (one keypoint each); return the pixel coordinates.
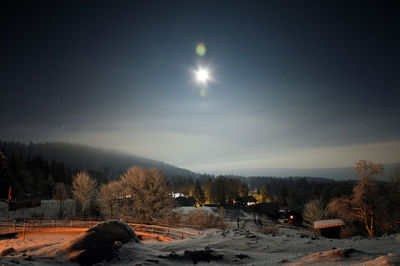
(293, 84)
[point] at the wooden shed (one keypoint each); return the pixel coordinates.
(329, 228)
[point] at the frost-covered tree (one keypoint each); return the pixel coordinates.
(363, 205)
(112, 194)
(146, 194)
(314, 210)
(84, 189)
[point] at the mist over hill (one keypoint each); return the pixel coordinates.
(79, 156)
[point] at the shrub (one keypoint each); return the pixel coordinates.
(314, 210)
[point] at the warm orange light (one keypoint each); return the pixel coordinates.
(291, 217)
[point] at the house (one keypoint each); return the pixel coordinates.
(269, 208)
(176, 194)
(23, 204)
(294, 217)
(329, 228)
(185, 201)
(246, 200)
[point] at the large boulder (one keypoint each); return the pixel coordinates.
(96, 244)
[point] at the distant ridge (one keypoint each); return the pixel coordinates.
(344, 173)
(88, 157)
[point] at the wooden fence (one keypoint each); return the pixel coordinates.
(163, 233)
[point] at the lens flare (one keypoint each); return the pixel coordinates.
(203, 92)
(201, 49)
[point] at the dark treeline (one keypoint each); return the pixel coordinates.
(28, 175)
(295, 191)
(36, 176)
(35, 168)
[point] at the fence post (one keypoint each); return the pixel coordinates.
(182, 235)
(24, 228)
(54, 223)
(15, 225)
(72, 223)
(33, 224)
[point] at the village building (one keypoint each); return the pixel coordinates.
(246, 200)
(185, 201)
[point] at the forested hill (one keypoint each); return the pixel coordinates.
(35, 166)
(80, 156)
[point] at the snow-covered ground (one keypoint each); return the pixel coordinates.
(187, 209)
(271, 244)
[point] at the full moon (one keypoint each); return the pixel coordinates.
(202, 75)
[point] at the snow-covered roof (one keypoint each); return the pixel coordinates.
(328, 223)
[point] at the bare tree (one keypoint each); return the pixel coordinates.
(84, 189)
(364, 205)
(146, 194)
(314, 210)
(364, 194)
(60, 193)
(112, 194)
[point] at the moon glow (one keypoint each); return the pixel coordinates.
(202, 75)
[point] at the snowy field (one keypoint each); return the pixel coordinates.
(273, 244)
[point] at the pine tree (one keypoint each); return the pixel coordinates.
(198, 193)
